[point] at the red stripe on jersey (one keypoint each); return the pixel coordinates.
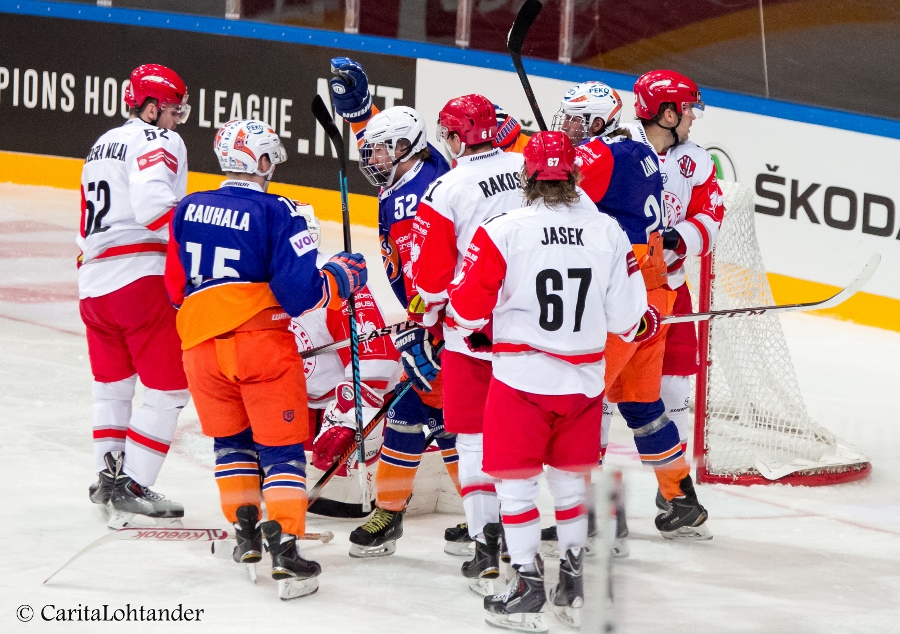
(631, 263)
(162, 221)
(525, 517)
(434, 237)
(569, 514)
(596, 168)
(704, 234)
(574, 359)
(109, 433)
(159, 155)
(128, 249)
(149, 443)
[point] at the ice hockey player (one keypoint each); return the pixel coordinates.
(484, 183)
(557, 277)
(396, 157)
(666, 105)
(240, 263)
(133, 177)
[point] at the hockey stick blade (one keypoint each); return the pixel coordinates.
(393, 329)
(150, 534)
(515, 41)
(836, 299)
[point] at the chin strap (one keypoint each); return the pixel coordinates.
(672, 129)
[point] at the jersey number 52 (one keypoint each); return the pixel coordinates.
(91, 218)
(552, 314)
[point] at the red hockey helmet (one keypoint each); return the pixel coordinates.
(549, 156)
(157, 82)
(472, 117)
(657, 87)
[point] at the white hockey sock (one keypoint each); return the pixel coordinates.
(110, 416)
(568, 489)
(150, 433)
(675, 392)
(608, 410)
(521, 518)
(478, 488)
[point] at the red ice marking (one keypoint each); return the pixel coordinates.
(47, 326)
(40, 293)
(29, 226)
(807, 513)
(9, 249)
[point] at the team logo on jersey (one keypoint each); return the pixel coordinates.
(390, 257)
(304, 343)
(631, 263)
(159, 155)
(288, 415)
(687, 166)
(673, 209)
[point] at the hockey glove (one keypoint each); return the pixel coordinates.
(672, 241)
(420, 359)
(481, 340)
(348, 271)
(649, 326)
(339, 426)
(350, 90)
(508, 129)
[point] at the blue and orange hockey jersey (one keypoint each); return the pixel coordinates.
(236, 251)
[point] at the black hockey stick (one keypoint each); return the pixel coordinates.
(323, 115)
(394, 329)
(838, 298)
(517, 34)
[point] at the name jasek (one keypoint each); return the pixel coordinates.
(563, 235)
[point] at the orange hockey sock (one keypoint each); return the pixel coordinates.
(451, 460)
(286, 502)
(237, 476)
(396, 472)
(670, 476)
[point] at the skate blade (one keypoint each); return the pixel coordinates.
(459, 549)
(482, 587)
(689, 533)
(527, 622)
(571, 616)
(119, 519)
(251, 572)
(550, 549)
(295, 588)
(620, 549)
(369, 552)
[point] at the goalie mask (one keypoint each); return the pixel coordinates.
(380, 154)
(241, 143)
(582, 106)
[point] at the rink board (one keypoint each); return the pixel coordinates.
(826, 198)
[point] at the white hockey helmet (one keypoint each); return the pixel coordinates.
(584, 104)
(312, 223)
(378, 157)
(242, 142)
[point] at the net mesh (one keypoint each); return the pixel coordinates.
(756, 419)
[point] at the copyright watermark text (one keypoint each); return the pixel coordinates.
(105, 612)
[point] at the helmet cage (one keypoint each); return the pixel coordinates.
(381, 173)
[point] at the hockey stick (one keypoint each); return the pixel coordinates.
(326, 477)
(150, 534)
(223, 550)
(516, 39)
(394, 329)
(838, 298)
(323, 115)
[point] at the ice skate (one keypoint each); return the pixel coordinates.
(484, 567)
(248, 534)
(100, 490)
(132, 505)
(550, 542)
(504, 551)
(685, 518)
(377, 537)
(567, 597)
(522, 605)
(620, 548)
(662, 504)
(296, 576)
(458, 541)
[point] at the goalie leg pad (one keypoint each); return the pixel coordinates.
(150, 433)
(676, 393)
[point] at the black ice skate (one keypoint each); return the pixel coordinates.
(248, 534)
(132, 505)
(458, 541)
(100, 490)
(484, 567)
(685, 517)
(550, 541)
(296, 576)
(568, 595)
(620, 548)
(662, 504)
(377, 537)
(521, 607)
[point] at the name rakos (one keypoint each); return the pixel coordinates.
(210, 215)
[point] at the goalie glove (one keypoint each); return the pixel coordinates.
(350, 90)
(649, 325)
(339, 425)
(419, 358)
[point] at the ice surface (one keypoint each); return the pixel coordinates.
(783, 559)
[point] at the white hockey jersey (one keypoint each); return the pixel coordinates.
(692, 199)
(557, 281)
(480, 186)
(133, 177)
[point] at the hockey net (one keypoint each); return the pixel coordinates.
(751, 425)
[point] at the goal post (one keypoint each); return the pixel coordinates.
(750, 422)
